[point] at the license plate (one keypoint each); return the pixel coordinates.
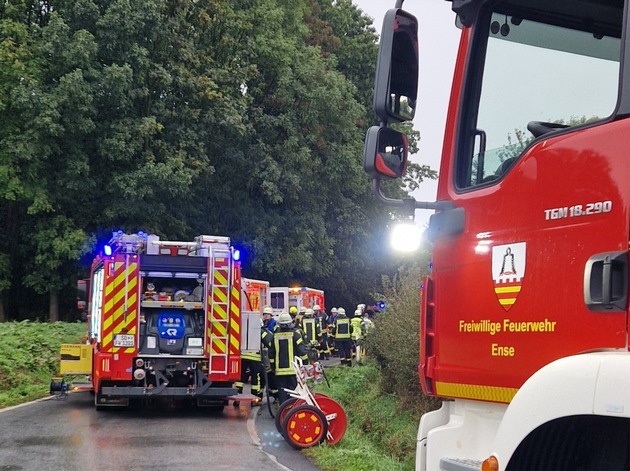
(121, 340)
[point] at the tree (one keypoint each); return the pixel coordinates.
(243, 118)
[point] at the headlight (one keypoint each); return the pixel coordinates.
(194, 351)
(195, 342)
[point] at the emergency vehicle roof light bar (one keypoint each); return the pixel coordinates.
(128, 243)
(210, 239)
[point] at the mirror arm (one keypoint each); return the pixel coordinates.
(399, 3)
(409, 203)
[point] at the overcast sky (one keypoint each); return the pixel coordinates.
(438, 38)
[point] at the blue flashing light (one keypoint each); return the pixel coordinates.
(236, 255)
(107, 250)
(381, 305)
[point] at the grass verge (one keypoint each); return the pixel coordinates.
(382, 428)
(29, 356)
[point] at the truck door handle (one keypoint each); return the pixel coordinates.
(606, 282)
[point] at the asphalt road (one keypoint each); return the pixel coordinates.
(71, 435)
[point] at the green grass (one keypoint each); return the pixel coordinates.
(382, 428)
(29, 356)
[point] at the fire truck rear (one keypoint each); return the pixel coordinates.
(524, 317)
(164, 321)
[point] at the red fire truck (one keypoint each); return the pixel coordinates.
(524, 317)
(165, 321)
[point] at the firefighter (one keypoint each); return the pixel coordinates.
(287, 344)
(251, 370)
(266, 339)
(343, 337)
(324, 350)
(332, 349)
(300, 316)
(355, 323)
(293, 313)
(312, 334)
(269, 322)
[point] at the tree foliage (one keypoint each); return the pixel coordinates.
(242, 118)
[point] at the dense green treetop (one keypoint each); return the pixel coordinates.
(242, 118)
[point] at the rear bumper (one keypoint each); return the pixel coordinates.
(174, 392)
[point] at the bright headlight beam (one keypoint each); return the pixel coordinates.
(406, 237)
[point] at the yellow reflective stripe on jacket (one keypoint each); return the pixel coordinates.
(254, 356)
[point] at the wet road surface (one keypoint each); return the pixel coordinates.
(71, 435)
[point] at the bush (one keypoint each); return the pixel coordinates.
(394, 342)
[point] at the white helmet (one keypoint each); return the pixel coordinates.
(357, 312)
(317, 308)
(285, 318)
(309, 313)
(333, 310)
(341, 311)
(302, 309)
(267, 310)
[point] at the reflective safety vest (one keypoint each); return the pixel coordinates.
(312, 331)
(284, 342)
(356, 327)
(342, 328)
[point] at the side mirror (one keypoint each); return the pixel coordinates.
(386, 153)
(396, 88)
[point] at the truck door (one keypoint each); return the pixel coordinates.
(536, 157)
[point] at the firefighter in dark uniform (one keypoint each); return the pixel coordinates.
(312, 334)
(251, 370)
(342, 332)
(320, 317)
(266, 340)
(287, 344)
(332, 349)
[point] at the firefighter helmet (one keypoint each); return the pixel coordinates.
(309, 313)
(285, 319)
(293, 310)
(267, 310)
(333, 310)
(302, 309)
(357, 313)
(341, 311)
(317, 308)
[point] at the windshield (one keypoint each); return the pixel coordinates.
(536, 78)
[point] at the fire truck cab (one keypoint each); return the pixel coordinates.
(524, 317)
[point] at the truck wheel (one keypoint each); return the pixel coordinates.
(305, 426)
(97, 400)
